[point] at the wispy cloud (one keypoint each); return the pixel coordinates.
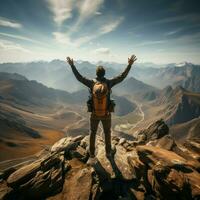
(61, 9)
(172, 32)
(149, 43)
(8, 23)
(8, 45)
(111, 26)
(20, 38)
(86, 9)
(65, 38)
(104, 51)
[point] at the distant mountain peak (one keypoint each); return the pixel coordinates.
(183, 64)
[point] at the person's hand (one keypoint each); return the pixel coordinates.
(132, 59)
(70, 61)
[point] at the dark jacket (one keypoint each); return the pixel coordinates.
(110, 82)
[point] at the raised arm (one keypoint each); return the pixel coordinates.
(78, 76)
(124, 74)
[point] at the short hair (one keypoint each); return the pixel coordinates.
(100, 71)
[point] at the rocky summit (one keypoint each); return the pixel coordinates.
(152, 166)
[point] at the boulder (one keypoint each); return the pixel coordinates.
(165, 142)
(78, 184)
(23, 174)
(39, 179)
(66, 144)
(154, 131)
(167, 182)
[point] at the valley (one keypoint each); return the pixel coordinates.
(34, 116)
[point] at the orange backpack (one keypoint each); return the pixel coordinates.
(99, 94)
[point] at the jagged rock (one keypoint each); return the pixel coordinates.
(23, 174)
(79, 153)
(44, 183)
(158, 170)
(65, 144)
(118, 166)
(77, 183)
(193, 145)
(153, 132)
(38, 179)
(167, 182)
(165, 163)
(137, 166)
(165, 142)
(151, 155)
(188, 153)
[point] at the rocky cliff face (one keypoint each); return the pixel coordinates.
(180, 105)
(153, 166)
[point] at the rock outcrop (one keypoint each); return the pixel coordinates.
(152, 167)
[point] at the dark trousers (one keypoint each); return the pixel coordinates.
(94, 122)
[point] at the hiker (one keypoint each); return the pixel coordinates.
(100, 105)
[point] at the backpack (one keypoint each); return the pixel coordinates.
(99, 101)
(100, 98)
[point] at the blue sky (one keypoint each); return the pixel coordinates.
(160, 31)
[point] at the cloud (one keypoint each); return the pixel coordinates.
(148, 43)
(8, 45)
(65, 38)
(8, 23)
(111, 26)
(88, 8)
(173, 32)
(61, 9)
(104, 51)
(21, 38)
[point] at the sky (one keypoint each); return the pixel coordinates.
(158, 31)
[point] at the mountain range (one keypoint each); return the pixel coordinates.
(185, 74)
(57, 73)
